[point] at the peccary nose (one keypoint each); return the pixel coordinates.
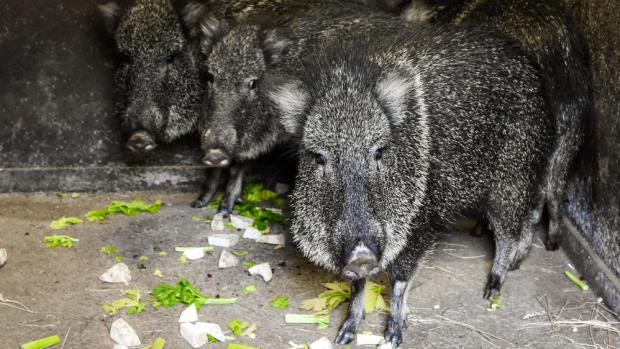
(216, 158)
(141, 141)
(363, 263)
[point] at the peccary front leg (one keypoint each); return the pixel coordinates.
(394, 331)
(233, 189)
(209, 188)
(346, 334)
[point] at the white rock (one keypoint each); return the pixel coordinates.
(282, 188)
(227, 260)
(193, 335)
(194, 253)
(241, 222)
(214, 330)
(123, 334)
(118, 273)
(189, 314)
(223, 240)
(251, 233)
(369, 339)
(273, 239)
(263, 270)
(119, 346)
(3, 256)
(217, 223)
(321, 343)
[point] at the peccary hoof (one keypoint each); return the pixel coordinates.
(551, 245)
(491, 290)
(198, 203)
(346, 334)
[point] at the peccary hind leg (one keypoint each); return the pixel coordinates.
(209, 189)
(394, 331)
(346, 334)
(233, 189)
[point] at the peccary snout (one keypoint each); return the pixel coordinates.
(141, 141)
(216, 158)
(362, 263)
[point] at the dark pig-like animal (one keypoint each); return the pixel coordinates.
(400, 131)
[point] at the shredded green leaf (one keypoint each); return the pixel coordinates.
(237, 326)
(118, 259)
(577, 281)
(216, 201)
(54, 241)
(196, 218)
(254, 194)
(240, 253)
(143, 258)
(339, 292)
(133, 208)
(248, 289)
(248, 264)
(496, 303)
(280, 302)
(131, 302)
(183, 292)
(158, 343)
(64, 222)
(109, 249)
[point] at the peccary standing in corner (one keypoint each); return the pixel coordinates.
(545, 32)
(157, 79)
(401, 130)
(242, 124)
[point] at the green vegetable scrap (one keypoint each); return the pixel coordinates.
(577, 281)
(204, 248)
(239, 346)
(339, 292)
(64, 222)
(240, 253)
(237, 326)
(109, 249)
(143, 258)
(280, 302)
(158, 343)
(208, 219)
(196, 218)
(182, 259)
(495, 304)
(248, 289)
(118, 259)
(132, 208)
(229, 225)
(42, 343)
(183, 292)
(54, 241)
(321, 319)
(253, 194)
(158, 273)
(248, 264)
(131, 302)
(216, 201)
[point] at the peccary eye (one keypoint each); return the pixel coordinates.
(379, 154)
(319, 159)
(252, 84)
(170, 59)
(208, 77)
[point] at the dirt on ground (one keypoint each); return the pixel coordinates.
(57, 291)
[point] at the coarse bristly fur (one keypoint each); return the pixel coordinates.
(544, 30)
(157, 80)
(236, 53)
(401, 129)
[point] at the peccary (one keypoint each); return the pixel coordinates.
(400, 131)
(157, 78)
(241, 121)
(544, 30)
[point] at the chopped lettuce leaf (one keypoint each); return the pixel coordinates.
(196, 218)
(248, 264)
(118, 259)
(239, 346)
(248, 289)
(182, 259)
(280, 302)
(158, 273)
(495, 304)
(143, 258)
(216, 201)
(64, 222)
(54, 241)
(183, 292)
(131, 302)
(237, 326)
(240, 253)
(109, 249)
(254, 194)
(339, 292)
(133, 208)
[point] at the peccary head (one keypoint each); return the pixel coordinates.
(238, 117)
(157, 80)
(358, 186)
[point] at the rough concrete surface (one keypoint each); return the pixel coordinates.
(61, 286)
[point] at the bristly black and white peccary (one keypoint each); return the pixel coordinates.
(545, 32)
(399, 132)
(158, 87)
(236, 54)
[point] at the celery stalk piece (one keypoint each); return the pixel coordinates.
(42, 343)
(321, 319)
(239, 346)
(204, 248)
(159, 343)
(580, 283)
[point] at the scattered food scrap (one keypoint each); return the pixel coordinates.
(253, 195)
(495, 304)
(368, 339)
(223, 240)
(123, 334)
(190, 314)
(227, 260)
(133, 208)
(42, 343)
(109, 249)
(252, 233)
(248, 289)
(158, 343)
(339, 292)
(273, 239)
(53, 241)
(263, 270)
(237, 326)
(64, 222)
(158, 273)
(239, 346)
(200, 333)
(577, 281)
(131, 302)
(321, 343)
(280, 302)
(183, 292)
(321, 319)
(3, 256)
(118, 273)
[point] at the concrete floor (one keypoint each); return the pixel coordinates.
(62, 289)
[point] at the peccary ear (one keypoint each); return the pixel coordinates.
(394, 90)
(291, 102)
(111, 14)
(191, 15)
(212, 29)
(274, 44)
